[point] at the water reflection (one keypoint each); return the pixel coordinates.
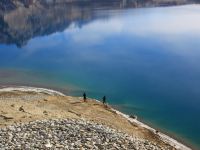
(143, 58)
(19, 23)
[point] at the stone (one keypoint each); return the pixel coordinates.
(68, 134)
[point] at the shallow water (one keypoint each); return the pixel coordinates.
(145, 60)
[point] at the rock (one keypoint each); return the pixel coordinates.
(48, 144)
(45, 112)
(133, 116)
(21, 109)
(68, 134)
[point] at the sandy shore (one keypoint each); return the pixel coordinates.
(25, 104)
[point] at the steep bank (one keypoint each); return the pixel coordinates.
(22, 105)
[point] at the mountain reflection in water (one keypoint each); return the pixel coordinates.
(19, 24)
(146, 61)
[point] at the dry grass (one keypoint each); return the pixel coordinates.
(15, 110)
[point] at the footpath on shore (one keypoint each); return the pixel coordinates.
(20, 106)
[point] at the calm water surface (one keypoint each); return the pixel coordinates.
(146, 61)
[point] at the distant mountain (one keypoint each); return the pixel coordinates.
(7, 5)
(19, 24)
(21, 20)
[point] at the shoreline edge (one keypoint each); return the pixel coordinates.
(165, 138)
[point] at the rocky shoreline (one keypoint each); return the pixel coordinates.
(69, 134)
(51, 120)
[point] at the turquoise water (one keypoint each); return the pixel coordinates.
(146, 61)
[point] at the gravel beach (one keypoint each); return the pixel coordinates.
(69, 134)
(36, 118)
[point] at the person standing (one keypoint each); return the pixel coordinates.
(84, 97)
(104, 100)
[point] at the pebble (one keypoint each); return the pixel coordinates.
(69, 134)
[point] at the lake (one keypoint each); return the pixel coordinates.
(145, 60)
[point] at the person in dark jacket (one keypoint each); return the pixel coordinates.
(84, 97)
(104, 100)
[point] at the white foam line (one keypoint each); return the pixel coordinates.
(165, 138)
(31, 89)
